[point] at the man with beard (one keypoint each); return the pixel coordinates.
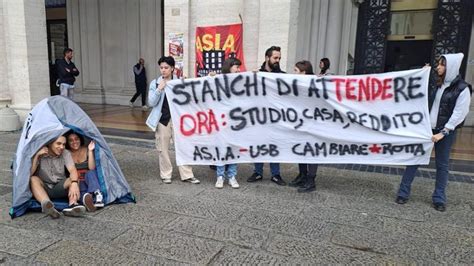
(272, 60)
(271, 64)
(67, 73)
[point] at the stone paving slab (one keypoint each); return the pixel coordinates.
(338, 216)
(350, 219)
(4, 189)
(413, 247)
(320, 252)
(222, 231)
(133, 164)
(278, 204)
(431, 229)
(6, 176)
(196, 207)
(87, 253)
(14, 260)
(286, 224)
(128, 214)
(155, 185)
(233, 255)
(170, 245)
(84, 228)
(23, 242)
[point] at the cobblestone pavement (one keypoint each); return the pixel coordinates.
(351, 218)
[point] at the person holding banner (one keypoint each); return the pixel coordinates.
(449, 105)
(159, 121)
(271, 64)
(231, 65)
(307, 172)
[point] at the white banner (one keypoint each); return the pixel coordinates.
(266, 117)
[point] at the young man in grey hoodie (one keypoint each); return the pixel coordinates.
(449, 105)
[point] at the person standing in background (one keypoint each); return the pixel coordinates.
(67, 73)
(140, 83)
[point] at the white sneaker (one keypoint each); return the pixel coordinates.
(233, 182)
(75, 210)
(99, 200)
(145, 108)
(166, 180)
(130, 104)
(220, 182)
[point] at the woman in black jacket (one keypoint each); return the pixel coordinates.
(449, 105)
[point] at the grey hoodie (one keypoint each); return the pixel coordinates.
(453, 64)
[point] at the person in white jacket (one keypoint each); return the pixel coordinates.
(159, 121)
(449, 105)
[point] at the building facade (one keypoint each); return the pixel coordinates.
(108, 37)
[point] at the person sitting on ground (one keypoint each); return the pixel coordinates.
(49, 181)
(84, 161)
(229, 171)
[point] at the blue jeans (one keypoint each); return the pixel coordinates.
(274, 168)
(231, 170)
(67, 90)
(90, 183)
(442, 150)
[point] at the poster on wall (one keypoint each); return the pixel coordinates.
(176, 50)
(215, 44)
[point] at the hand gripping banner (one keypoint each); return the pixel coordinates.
(267, 117)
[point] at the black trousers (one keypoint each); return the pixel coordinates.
(308, 169)
(141, 90)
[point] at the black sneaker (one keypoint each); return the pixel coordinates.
(439, 206)
(298, 181)
(74, 210)
(277, 179)
(255, 177)
(401, 200)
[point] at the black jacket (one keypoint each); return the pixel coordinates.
(140, 79)
(65, 76)
(263, 69)
(448, 101)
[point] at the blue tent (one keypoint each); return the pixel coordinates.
(48, 120)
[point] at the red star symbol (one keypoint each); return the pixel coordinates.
(375, 148)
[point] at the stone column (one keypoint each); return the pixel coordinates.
(24, 28)
(4, 91)
(277, 22)
(334, 34)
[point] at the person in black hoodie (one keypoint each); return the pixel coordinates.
(67, 73)
(449, 105)
(271, 64)
(140, 83)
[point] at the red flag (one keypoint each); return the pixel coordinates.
(215, 44)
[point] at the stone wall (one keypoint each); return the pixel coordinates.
(23, 52)
(108, 37)
(265, 23)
